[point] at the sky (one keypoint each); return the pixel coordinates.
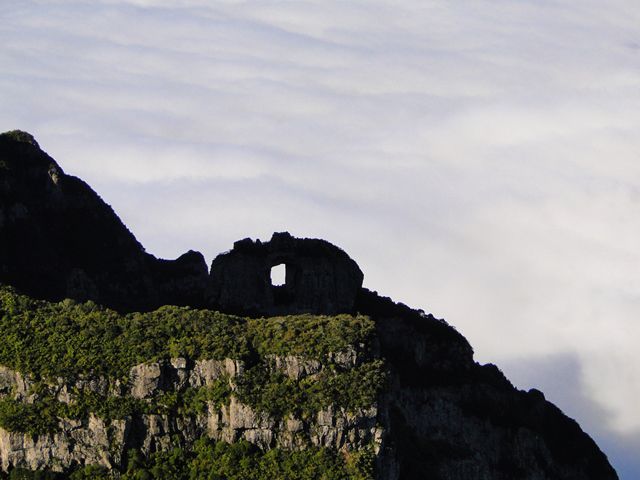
(478, 159)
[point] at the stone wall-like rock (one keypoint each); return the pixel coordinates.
(90, 444)
(320, 278)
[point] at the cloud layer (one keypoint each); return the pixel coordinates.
(479, 159)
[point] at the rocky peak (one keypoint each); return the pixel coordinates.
(21, 136)
(59, 239)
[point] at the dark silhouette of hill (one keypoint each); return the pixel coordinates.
(59, 239)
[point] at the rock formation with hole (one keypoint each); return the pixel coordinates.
(59, 239)
(320, 278)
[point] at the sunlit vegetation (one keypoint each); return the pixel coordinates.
(70, 340)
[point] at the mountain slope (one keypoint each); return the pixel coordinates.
(59, 239)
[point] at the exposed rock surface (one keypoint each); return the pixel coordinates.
(95, 441)
(442, 417)
(89, 444)
(320, 278)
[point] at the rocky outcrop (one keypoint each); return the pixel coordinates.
(148, 379)
(320, 278)
(58, 240)
(96, 441)
(89, 444)
(442, 416)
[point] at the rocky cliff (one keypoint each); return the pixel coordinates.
(447, 417)
(381, 391)
(85, 387)
(99, 440)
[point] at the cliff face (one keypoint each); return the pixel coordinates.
(144, 384)
(95, 440)
(447, 417)
(398, 385)
(390, 393)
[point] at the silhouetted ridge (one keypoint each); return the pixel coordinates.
(59, 239)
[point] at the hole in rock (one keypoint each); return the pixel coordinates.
(278, 275)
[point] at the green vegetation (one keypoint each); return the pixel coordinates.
(210, 460)
(23, 474)
(34, 418)
(308, 335)
(72, 341)
(278, 395)
(193, 401)
(68, 339)
(243, 461)
(42, 415)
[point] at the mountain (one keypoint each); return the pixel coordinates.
(59, 239)
(116, 364)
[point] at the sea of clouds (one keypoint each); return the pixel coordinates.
(479, 159)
